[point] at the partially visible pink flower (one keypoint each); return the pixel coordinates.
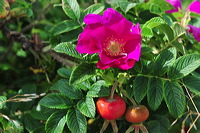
(194, 7)
(195, 31)
(116, 39)
(176, 4)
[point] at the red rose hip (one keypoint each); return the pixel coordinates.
(137, 114)
(111, 109)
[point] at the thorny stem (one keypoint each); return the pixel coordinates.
(113, 90)
(105, 125)
(114, 126)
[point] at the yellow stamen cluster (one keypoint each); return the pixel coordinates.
(114, 47)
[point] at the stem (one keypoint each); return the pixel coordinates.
(193, 123)
(126, 95)
(150, 76)
(113, 90)
(105, 125)
(114, 126)
(130, 129)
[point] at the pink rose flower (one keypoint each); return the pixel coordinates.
(194, 7)
(195, 31)
(116, 39)
(176, 4)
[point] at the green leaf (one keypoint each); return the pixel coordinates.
(57, 101)
(12, 126)
(84, 85)
(64, 72)
(63, 86)
(149, 25)
(184, 65)
(167, 30)
(147, 32)
(126, 6)
(153, 126)
(192, 83)
(82, 72)
(30, 123)
(156, 9)
(56, 122)
(76, 121)
(164, 123)
(175, 98)
(4, 8)
(87, 107)
(178, 30)
(71, 8)
(2, 101)
(69, 49)
(28, 89)
(94, 9)
(154, 22)
(140, 88)
(179, 46)
(164, 5)
(164, 60)
(147, 53)
(98, 89)
(65, 26)
(41, 112)
(155, 92)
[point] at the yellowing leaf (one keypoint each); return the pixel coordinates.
(4, 8)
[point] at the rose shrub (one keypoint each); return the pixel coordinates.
(80, 53)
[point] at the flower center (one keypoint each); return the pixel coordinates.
(114, 48)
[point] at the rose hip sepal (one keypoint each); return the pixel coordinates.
(111, 109)
(137, 114)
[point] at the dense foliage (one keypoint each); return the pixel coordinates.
(49, 84)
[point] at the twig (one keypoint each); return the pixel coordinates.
(191, 99)
(60, 59)
(194, 107)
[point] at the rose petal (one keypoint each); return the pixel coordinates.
(195, 31)
(105, 59)
(123, 29)
(100, 65)
(92, 19)
(136, 29)
(127, 65)
(176, 4)
(194, 7)
(111, 16)
(133, 48)
(86, 43)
